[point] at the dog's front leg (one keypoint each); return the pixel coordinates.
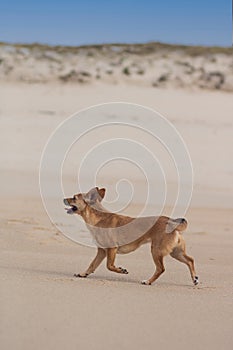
(101, 254)
(111, 256)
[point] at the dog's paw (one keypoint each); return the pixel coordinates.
(124, 271)
(195, 280)
(81, 275)
(146, 283)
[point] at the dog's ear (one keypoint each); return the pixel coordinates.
(101, 193)
(93, 195)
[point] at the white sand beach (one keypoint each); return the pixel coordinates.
(42, 305)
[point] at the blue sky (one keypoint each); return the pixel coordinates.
(75, 22)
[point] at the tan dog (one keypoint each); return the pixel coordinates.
(118, 234)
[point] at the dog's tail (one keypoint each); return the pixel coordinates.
(179, 224)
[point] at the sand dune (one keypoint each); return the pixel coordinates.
(151, 64)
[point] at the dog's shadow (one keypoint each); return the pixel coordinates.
(26, 272)
(132, 281)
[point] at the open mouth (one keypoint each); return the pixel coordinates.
(72, 209)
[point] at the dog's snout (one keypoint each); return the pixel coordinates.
(65, 201)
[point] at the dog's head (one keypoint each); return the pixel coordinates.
(79, 201)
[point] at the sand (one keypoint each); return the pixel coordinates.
(42, 305)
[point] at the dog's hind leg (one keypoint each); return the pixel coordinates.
(158, 259)
(111, 256)
(179, 254)
(101, 254)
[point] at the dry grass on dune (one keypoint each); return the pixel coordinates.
(151, 64)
